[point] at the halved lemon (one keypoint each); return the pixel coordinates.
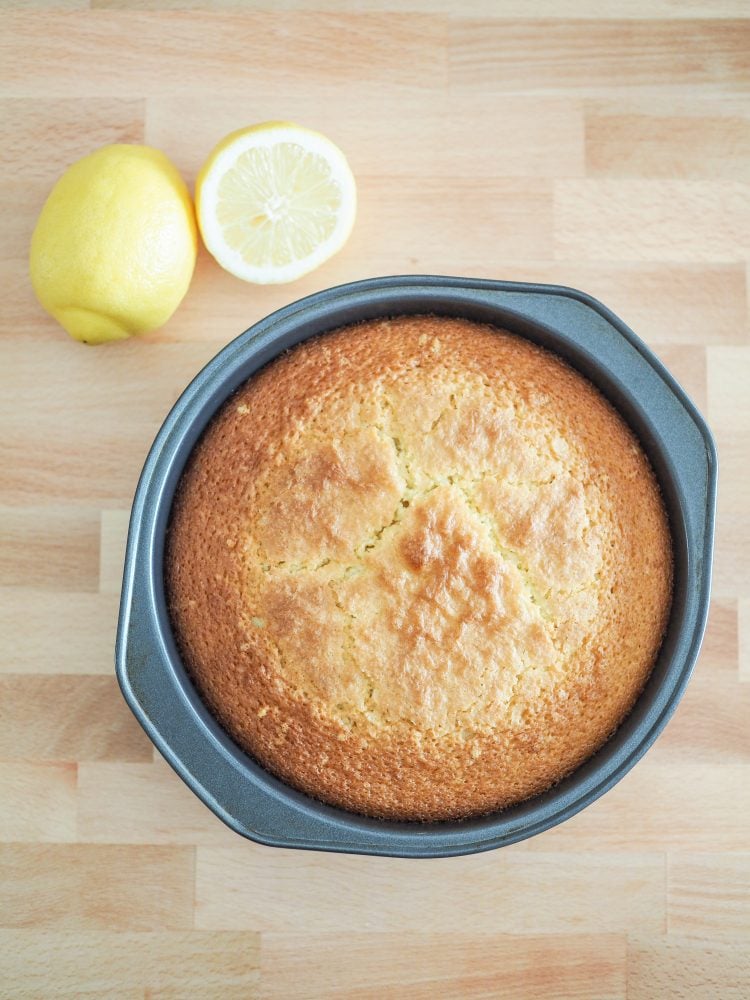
(274, 201)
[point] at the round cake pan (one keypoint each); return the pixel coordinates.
(580, 329)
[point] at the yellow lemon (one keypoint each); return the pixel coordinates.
(114, 248)
(275, 201)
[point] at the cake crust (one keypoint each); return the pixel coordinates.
(419, 568)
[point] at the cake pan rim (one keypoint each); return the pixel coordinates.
(428, 837)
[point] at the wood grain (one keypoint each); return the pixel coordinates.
(458, 966)
(48, 135)
(162, 965)
(43, 798)
(675, 967)
(696, 881)
(721, 641)
(96, 887)
(598, 56)
(649, 144)
(221, 50)
(743, 628)
(50, 547)
(236, 889)
(510, 217)
(58, 632)
(67, 718)
(633, 219)
(591, 143)
(662, 806)
(517, 131)
(168, 811)
(502, 9)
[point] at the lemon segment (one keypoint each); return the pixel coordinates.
(114, 247)
(275, 201)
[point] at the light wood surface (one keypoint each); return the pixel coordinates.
(600, 144)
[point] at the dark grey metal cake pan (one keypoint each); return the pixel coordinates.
(592, 339)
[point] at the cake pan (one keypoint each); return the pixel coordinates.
(592, 339)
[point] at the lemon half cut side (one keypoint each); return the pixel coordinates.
(274, 201)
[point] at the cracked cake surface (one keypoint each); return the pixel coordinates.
(419, 568)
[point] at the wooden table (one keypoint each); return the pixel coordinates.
(612, 155)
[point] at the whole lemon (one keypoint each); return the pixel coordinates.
(114, 248)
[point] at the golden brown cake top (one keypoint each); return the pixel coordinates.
(419, 568)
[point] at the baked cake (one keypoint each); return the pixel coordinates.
(419, 568)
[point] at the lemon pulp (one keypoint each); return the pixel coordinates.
(274, 201)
